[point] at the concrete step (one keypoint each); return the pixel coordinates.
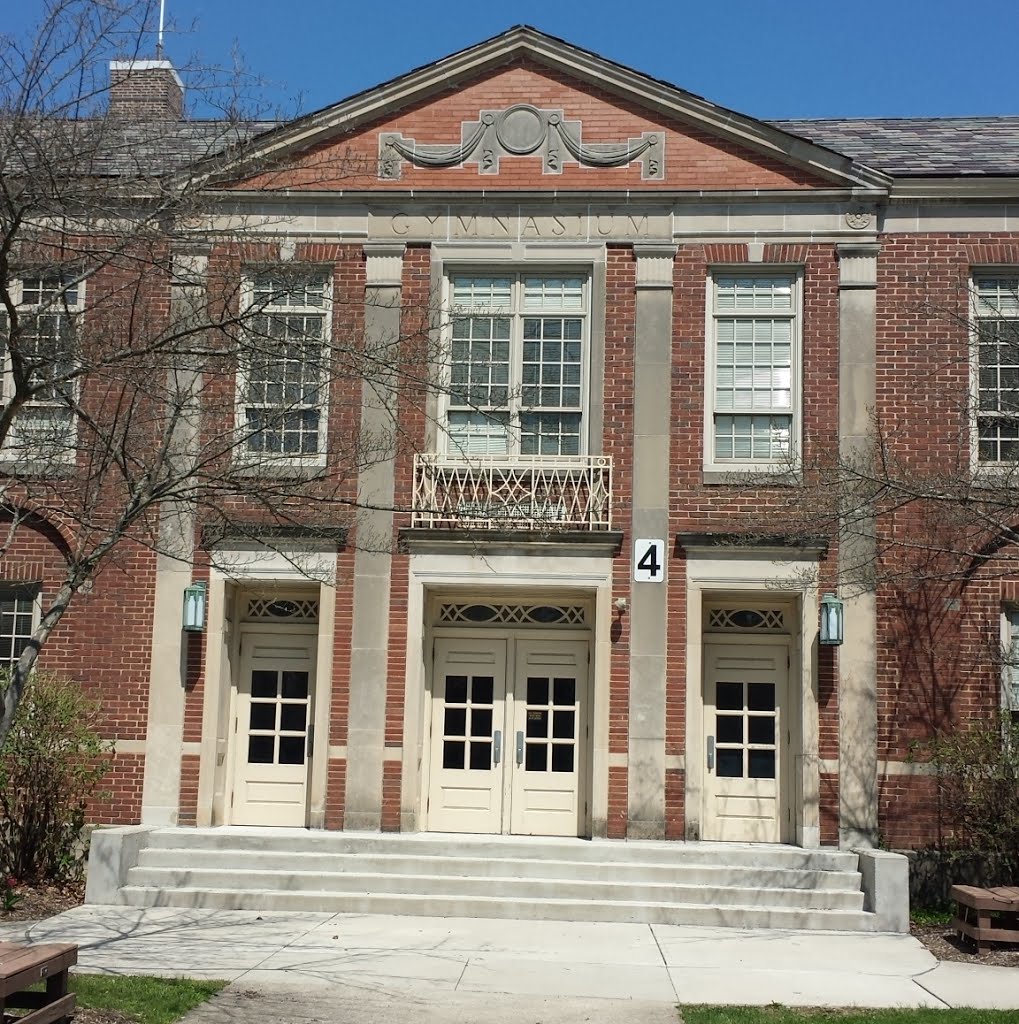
(616, 871)
(530, 878)
(489, 847)
(734, 916)
(510, 889)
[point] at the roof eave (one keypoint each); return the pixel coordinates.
(443, 75)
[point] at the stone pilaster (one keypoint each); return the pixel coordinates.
(373, 559)
(164, 732)
(648, 617)
(857, 677)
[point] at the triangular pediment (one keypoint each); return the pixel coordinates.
(525, 111)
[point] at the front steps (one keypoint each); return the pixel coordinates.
(428, 874)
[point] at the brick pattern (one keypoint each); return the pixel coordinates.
(391, 775)
(693, 159)
(188, 812)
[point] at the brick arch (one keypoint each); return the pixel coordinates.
(43, 521)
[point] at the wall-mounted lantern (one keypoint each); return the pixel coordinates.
(831, 620)
(194, 608)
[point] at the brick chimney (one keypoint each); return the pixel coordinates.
(145, 90)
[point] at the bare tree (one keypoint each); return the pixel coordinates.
(161, 372)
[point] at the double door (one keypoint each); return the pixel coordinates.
(508, 735)
(747, 742)
(272, 729)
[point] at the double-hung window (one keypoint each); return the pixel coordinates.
(996, 307)
(1010, 668)
(517, 364)
(284, 367)
(49, 311)
(17, 620)
(753, 371)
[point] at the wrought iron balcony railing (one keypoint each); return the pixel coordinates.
(513, 492)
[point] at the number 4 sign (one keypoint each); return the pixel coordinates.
(649, 561)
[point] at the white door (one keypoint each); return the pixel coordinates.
(745, 692)
(507, 732)
(274, 709)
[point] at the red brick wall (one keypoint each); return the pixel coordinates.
(693, 159)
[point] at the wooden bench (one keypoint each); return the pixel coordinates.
(23, 966)
(986, 915)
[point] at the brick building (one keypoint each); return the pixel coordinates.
(594, 618)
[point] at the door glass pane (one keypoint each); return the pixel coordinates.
(260, 749)
(537, 723)
(729, 728)
(730, 764)
(291, 750)
(456, 689)
(536, 757)
(294, 717)
(481, 756)
(453, 754)
(537, 690)
(263, 716)
(263, 683)
(482, 689)
(562, 757)
(562, 725)
(762, 764)
(456, 722)
(295, 685)
(564, 692)
(761, 730)
(761, 696)
(481, 722)
(729, 696)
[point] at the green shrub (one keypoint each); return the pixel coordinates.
(977, 768)
(50, 764)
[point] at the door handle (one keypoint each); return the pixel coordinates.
(520, 747)
(711, 752)
(311, 740)
(497, 745)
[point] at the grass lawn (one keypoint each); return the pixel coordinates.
(787, 1015)
(149, 1000)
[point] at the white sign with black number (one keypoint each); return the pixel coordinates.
(649, 561)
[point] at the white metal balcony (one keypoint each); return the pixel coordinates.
(513, 492)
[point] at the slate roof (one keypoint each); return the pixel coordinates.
(920, 146)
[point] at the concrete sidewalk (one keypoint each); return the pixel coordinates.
(294, 967)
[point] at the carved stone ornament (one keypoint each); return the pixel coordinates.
(859, 219)
(522, 130)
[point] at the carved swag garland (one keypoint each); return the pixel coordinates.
(522, 130)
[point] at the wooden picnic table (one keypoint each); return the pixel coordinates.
(986, 915)
(23, 966)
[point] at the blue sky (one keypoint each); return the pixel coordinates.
(766, 58)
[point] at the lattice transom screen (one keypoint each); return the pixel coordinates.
(482, 614)
(757, 620)
(283, 609)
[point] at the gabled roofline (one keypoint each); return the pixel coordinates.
(523, 40)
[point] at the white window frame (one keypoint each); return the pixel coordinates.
(24, 592)
(1010, 274)
(245, 454)
(518, 273)
(721, 467)
(19, 443)
(1010, 660)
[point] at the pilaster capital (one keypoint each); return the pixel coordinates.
(858, 264)
(384, 264)
(189, 264)
(654, 265)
